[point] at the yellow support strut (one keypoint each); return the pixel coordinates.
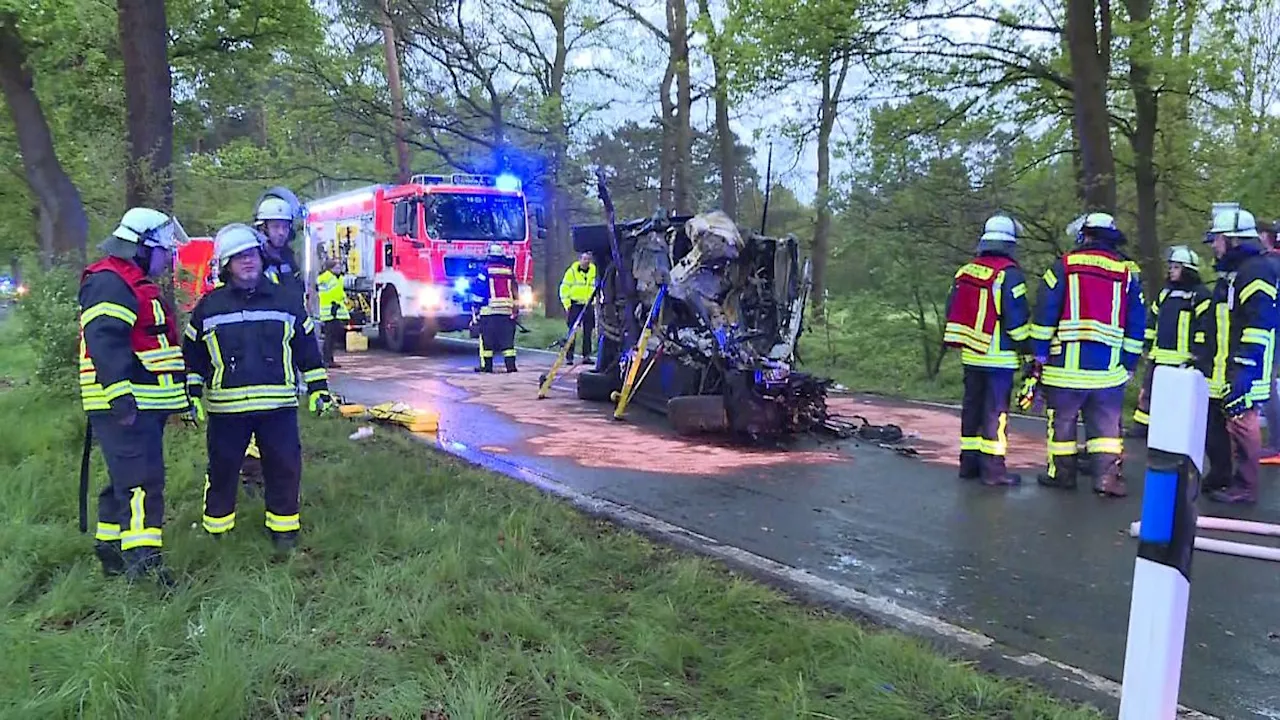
(633, 367)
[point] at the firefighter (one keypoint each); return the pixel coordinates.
(1237, 356)
(988, 318)
(497, 311)
(1175, 325)
(333, 307)
(279, 217)
(245, 344)
(575, 292)
(1088, 327)
(131, 372)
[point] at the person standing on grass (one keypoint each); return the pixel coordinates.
(575, 292)
(1271, 449)
(988, 319)
(131, 370)
(246, 344)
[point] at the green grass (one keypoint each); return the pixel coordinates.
(424, 589)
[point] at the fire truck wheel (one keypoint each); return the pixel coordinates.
(596, 387)
(697, 414)
(392, 326)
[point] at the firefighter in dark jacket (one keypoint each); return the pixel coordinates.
(131, 373)
(1175, 325)
(498, 311)
(1089, 324)
(988, 319)
(245, 346)
(1237, 356)
(279, 217)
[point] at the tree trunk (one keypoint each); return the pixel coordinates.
(1143, 139)
(557, 243)
(724, 133)
(403, 169)
(144, 44)
(64, 227)
(679, 31)
(667, 157)
(831, 90)
(1093, 123)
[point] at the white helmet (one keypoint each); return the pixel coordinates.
(1000, 228)
(273, 208)
(233, 240)
(150, 228)
(1184, 256)
(1238, 223)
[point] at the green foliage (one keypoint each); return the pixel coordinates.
(50, 318)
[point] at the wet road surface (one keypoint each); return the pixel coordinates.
(1041, 570)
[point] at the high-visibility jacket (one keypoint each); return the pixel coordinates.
(987, 312)
(128, 340)
(1090, 319)
(245, 348)
(1176, 323)
(500, 290)
(577, 284)
(333, 300)
(1238, 353)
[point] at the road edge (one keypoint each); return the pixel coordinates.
(1059, 679)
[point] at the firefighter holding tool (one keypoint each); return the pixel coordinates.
(1175, 325)
(246, 345)
(988, 319)
(1089, 323)
(575, 293)
(497, 311)
(131, 371)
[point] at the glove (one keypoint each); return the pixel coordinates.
(333, 308)
(124, 409)
(319, 400)
(195, 415)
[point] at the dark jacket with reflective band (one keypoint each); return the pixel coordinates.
(500, 290)
(246, 348)
(1090, 319)
(1239, 339)
(983, 343)
(286, 273)
(128, 340)
(1176, 323)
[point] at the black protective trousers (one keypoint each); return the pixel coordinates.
(334, 332)
(280, 448)
(131, 506)
(984, 419)
(586, 331)
(497, 337)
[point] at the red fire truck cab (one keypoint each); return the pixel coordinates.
(413, 252)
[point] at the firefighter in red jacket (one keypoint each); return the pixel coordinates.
(497, 311)
(988, 319)
(1089, 324)
(131, 371)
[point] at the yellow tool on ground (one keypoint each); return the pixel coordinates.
(348, 411)
(633, 367)
(544, 386)
(405, 415)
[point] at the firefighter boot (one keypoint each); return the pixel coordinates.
(109, 554)
(283, 542)
(1064, 475)
(485, 366)
(511, 364)
(1108, 481)
(147, 561)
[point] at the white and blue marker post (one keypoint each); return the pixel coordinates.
(1166, 541)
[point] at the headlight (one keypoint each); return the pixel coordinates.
(431, 297)
(22, 289)
(526, 296)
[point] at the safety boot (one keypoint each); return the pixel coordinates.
(1065, 476)
(1007, 479)
(144, 562)
(1233, 496)
(109, 555)
(485, 366)
(1110, 482)
(283, 542)
(511, 364)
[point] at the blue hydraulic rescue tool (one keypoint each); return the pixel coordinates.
(1167, 533)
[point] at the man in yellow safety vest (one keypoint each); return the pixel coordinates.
(575, 292)
(333, 307)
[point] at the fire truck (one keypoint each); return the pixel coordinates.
(414, 252)
(194, 271)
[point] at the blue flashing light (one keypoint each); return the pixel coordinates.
(461, 285)
(507, 183)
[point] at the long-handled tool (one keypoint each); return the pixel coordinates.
(567, 344)
(84, 476)
(637, 357)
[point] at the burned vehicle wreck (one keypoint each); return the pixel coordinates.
(719, 314)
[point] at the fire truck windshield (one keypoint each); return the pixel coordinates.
(459, 216)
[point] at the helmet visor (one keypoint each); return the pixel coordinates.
(169, 236)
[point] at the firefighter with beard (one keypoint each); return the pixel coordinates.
(130, 382)
(1089, 325)
(1175, 326)
(245, 346)
(1237, 356)
(497, 311)
(988, 319)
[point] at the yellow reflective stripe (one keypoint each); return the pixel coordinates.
(251, 391)
(1002, 359)
(195, 379)
(1256, 335)
(108, 309)
(217, 526)
(290, 374)
(254, 405)
(215, 358)
(308, 325)
(1150, 334)
(1020, 333)
(971, 443)
(1133, 345)
(1050, 279)
(1042, 332)
(139, 534)
(315, 375)
(283, 523)
(117, 389)
(1083, 379)
(1116, 266)
(1107, 446)
(1169, 357)
(190, 332)
(107, 532)
(1073, 299)
(1258, 286)
(1066, 447)
(1203, 307)
(1141, 417)
(1019, 290)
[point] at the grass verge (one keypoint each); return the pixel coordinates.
(424, 589)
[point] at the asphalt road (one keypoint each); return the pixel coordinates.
(1041, 570)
